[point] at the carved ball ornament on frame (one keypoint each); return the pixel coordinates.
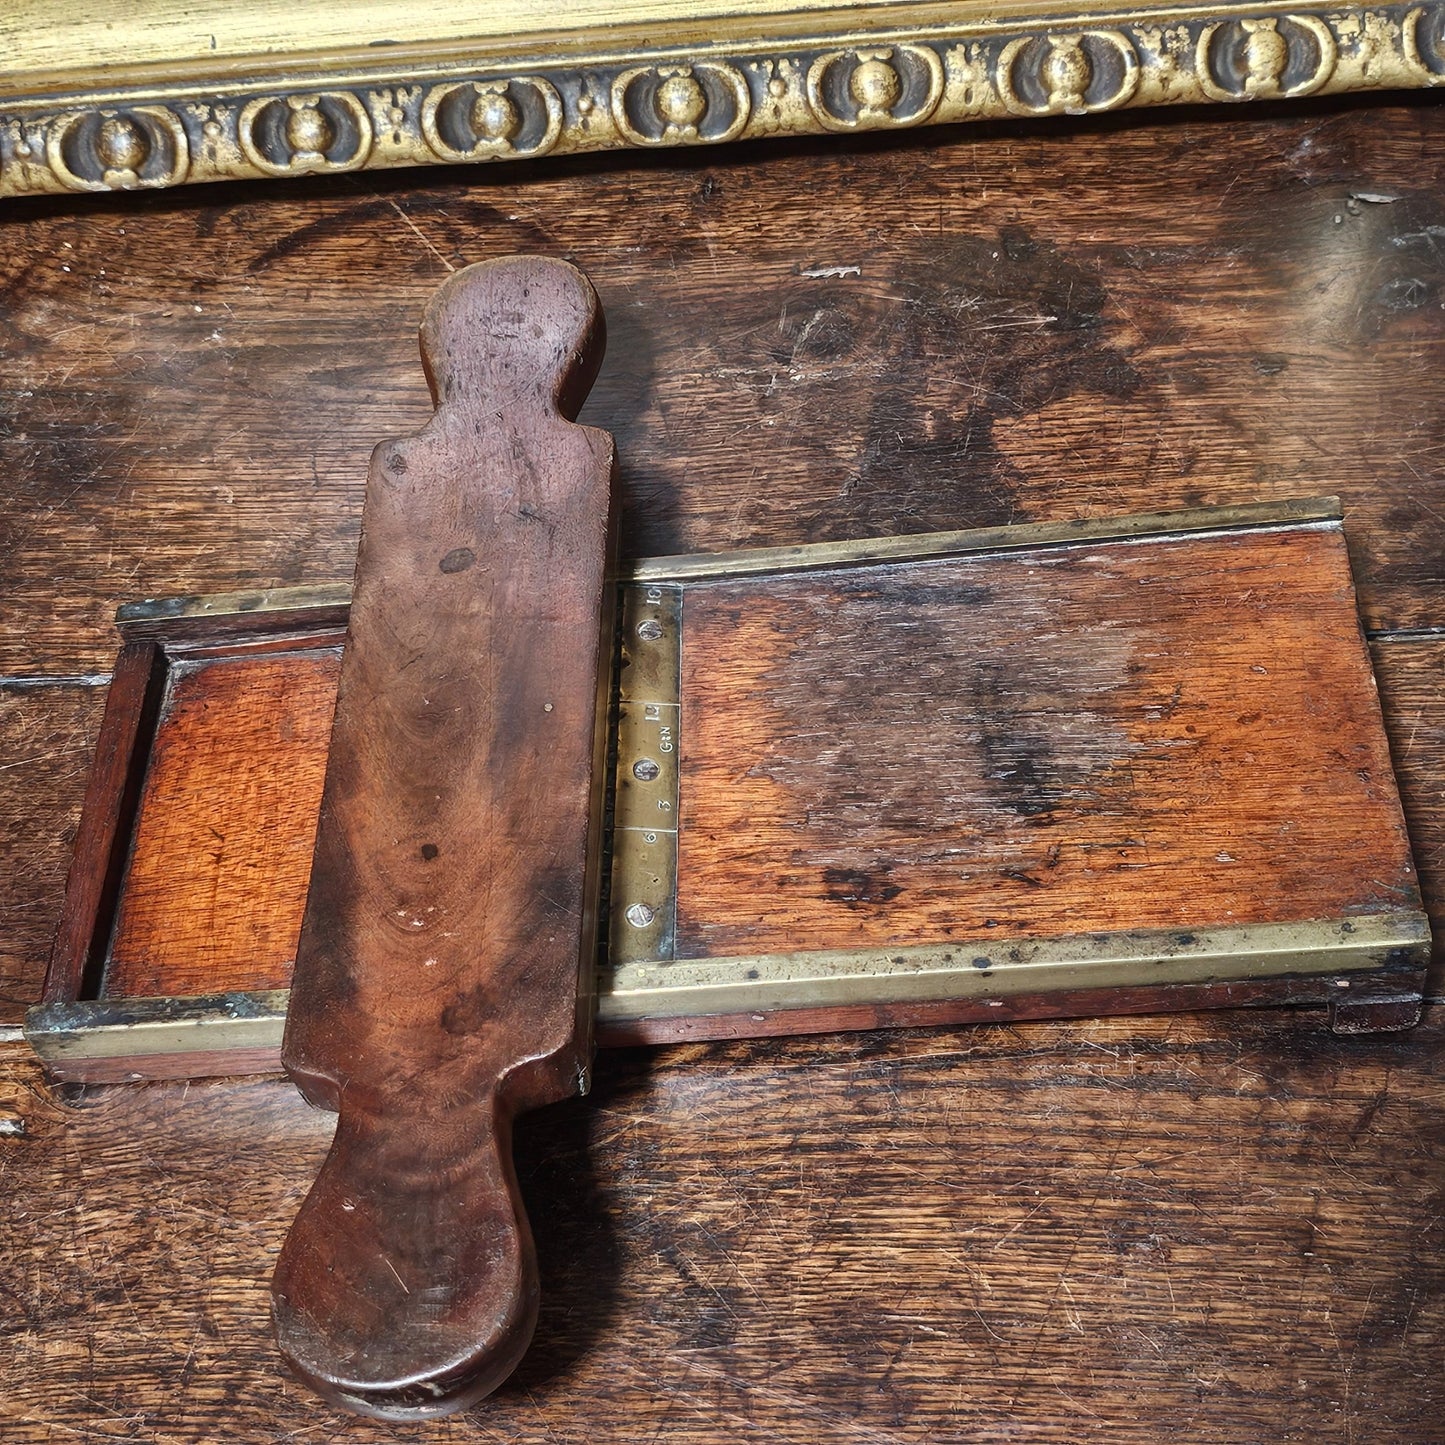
(413, 104)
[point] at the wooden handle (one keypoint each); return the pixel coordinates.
(408, 1283)
(443, 977)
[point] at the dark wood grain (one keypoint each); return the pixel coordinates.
(964, 328)
(443, 975)
(1411, 673)
(48, 733)
(1214, 1229)
(1219, 1229)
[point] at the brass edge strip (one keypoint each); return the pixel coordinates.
(811, 556)
(486, 105)
(130, 1027)
(815, 556)
(106, 1028)
(689, 988)
(226, 604)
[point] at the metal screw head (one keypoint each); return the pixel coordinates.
(650, 630)
(640, 915)
(645, 770)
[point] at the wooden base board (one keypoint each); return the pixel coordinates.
(1024, 772)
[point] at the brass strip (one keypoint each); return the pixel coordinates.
(237, 604)
(133, 1027)
(815, 556)
(642, 916)
(974, 970)
(116, 1028)
(650, 645)
(806, 557)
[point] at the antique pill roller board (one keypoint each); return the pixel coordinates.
(1122, 765)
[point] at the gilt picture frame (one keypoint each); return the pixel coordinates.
(167, 93)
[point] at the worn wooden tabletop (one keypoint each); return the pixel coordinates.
(1222, 1228)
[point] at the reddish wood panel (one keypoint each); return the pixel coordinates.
(1092, 738)
(217, 877)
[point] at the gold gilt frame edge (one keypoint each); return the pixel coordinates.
(75, 119)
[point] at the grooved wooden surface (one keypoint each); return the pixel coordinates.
(1220, 1229)
(227, 822)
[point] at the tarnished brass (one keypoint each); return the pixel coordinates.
(694, 987)
(862, 551)
(65, 1035)
(166, 93)
(270, 600)
(149, 1027)
(804, 557)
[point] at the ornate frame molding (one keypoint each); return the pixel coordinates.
(419, 101)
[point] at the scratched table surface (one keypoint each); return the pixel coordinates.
(1205, 1228)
